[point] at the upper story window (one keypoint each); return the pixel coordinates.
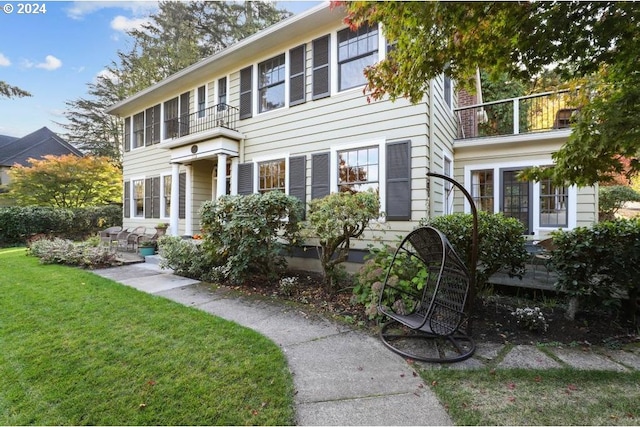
(271, 78)
(138, 130)
(448, 92)
(356, 50)
(222, 91)
(152, 125)
(176, 113)
(271, 176)
(358, 169)
(202, 100)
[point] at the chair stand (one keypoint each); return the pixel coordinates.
(424, 346)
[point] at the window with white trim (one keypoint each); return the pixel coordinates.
(272, 176)
(271, 80)
(359, 169)
(138, 198)
(356, 50)
(166, 196)
(482, 187)
(553, 204)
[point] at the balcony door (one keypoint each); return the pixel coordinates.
(516, 198)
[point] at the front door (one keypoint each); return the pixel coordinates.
(516, 198)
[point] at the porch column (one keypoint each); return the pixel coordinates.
(222, 175)
(234, 175)
(188, 212)
(175, 199)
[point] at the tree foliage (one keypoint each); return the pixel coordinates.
(335, 220)
(594, 44)
(66, 181)
(8, 91)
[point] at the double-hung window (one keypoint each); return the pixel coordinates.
(152, 125)
(271, 176)
(358, 169)
(356, 50)
(271, 81)
(553, 205)
(138, 130)
(166, 196)
(138, 198)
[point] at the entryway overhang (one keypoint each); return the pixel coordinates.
(204, 145)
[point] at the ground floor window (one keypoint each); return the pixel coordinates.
(482, 188)
(166, 196)
(138, 198)
(272, 175)
(358, 169)
(553, 205)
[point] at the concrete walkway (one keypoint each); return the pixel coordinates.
(346, 377)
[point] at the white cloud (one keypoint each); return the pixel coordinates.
(4, 61)
(50, 63)
(124, 24)
(79, 9)
(108, 75)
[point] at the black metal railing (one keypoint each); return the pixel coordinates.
(525, 114)
(218, 116)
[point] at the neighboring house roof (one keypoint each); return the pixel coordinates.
(35, 145)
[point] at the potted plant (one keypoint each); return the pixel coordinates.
(147, 247)
(161, 229)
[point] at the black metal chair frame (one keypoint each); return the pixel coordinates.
(436, 307)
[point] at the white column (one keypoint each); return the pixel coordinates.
(188, 213)
(234, 175)
(222, 175)
(175, 199)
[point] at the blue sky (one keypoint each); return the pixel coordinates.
(55, 53)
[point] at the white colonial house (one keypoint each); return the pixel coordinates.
(284, 110)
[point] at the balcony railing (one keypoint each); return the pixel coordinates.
(218, 116)
(526, 114)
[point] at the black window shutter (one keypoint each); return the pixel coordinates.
(298, 178)
(245, 178)
(321, 67)
(148, 198)
(127, 134)
(246, 83)
(182, 197)
(184, 114)
(155, 197)
(127, 199)
(319, 175)
(297, 72)
(157, 119)
(398, 181)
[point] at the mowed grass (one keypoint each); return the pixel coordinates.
(538, 397)
(78, 349)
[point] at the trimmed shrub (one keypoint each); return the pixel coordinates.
(19, 224)
(190, 259)
(335, 220)
(600, 264)
(60, 251)
(501, 242)
(249, 233)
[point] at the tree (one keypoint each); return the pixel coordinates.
(66, 181)
(8, 91)
(592, 43)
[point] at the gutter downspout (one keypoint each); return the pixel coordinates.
(431, 190)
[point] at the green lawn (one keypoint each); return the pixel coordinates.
(76, 349)
(537, 397)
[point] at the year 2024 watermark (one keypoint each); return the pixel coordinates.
(25, 8)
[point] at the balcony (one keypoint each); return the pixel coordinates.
(221, 116)
(543, 112)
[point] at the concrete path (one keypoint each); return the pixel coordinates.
(346, 377)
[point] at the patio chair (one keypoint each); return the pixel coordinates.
(125, 238)
(425, 296)
(135, 236)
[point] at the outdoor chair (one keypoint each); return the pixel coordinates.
(128, 237)
(135, 236)
(425, 296)
(109, 235)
